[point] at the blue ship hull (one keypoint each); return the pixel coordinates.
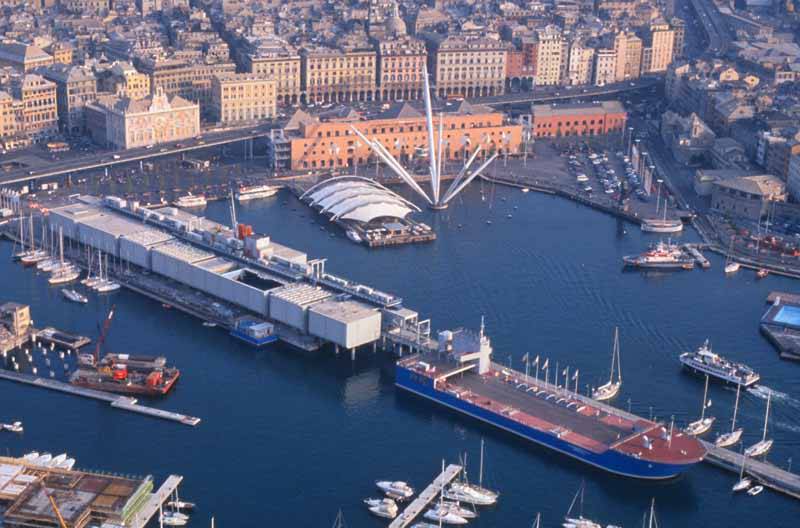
(253, 341)
(609, 460)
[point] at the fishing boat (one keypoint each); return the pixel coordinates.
(609, 390)
(755, 490)
(397, 487)
(74, 296)
(763, 446)
(731, 266)
(733, 437)
(580, 521)
(704, 423)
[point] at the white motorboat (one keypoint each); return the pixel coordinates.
(733, 437)
(352, 235)
(255, 192)
(182, 505)
(56, 460)
(763, 446)
(15, 427)
(458, 509)
(43, 460)
(30, 457)
(397, 487)
(171, 520)
(67, 464)
(609, 390)
(742, 484)
(732, 267)
(704, 423)
(444, 515)
(74, 296)
(389, 503)
(468, 498)
(755, 490)
(385, 508)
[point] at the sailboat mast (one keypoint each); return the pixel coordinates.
(33, 238)
(61, 244)
(766, 417)
(705, 395)
(613, 356)
(619, 359)
(736, 406)
(480, 470)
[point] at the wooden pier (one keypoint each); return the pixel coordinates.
(427, 496)
(766, 474)
(116, 401)
(155, 502)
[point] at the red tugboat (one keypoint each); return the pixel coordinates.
(122, 373)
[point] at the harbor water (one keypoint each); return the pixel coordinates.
(289, 437)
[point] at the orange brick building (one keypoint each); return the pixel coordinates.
(583, 119)
(331, 144)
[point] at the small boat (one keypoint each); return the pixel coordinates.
(15, 427)
(74, 296)
(525, 189)
(731, 266)
(444, 515)
(34, 257)
(30, 457)
(64, 277)
(580, 521)
(424, 525)
(397, 487)
(43, 460)
(352, 235)
(255, 192)
(662, 225)
(386, 508)
(179, 515)
(190, 200)
(733, 437)
(171, 520)
(459, 510)
(182, 505)
(67, 464)
(55, 461)
(742, 484)
(755, 490)
(209, 324)
(703, 424)
(763, 446)
(106, 286)
(609, 390)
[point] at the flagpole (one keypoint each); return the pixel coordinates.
(527, 366)
(566, 378)
(577, 372)
(557, 374)
(537, 369)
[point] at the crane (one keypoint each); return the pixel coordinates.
(102, 338)
(61, 522)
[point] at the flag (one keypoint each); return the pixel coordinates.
(708, 404)
(546, 363)
(536, 361)
(575, 376)
(565, 371)
(525, 357)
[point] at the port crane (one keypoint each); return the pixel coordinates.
(102, 338)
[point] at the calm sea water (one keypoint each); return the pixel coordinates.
(289, 438)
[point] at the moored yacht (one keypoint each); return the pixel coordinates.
(386, 508)
(397, 487)
(763, 446)
(444, 515)
(704, 423)
(74, 296)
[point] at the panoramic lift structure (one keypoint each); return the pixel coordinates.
(436, 200)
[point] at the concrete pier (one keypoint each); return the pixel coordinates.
(116, 401)
(155, 502)
(768, 475)
(427, 496)
(701, 260)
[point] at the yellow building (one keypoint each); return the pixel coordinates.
(551, 57)
(628, 48)
(663, 47)
(36, 107)
(336, 75)
(125, 81)
(284, 68)
(470, 67)
(7, 122)
(238, 97)
(191, 81)
(62, 53)
(401, 65)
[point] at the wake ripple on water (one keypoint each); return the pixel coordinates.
(762, 391)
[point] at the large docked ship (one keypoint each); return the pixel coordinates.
(663, 255)
(460, 375)
(122, 373)
(705, 362)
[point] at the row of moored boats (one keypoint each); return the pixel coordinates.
(46, 460)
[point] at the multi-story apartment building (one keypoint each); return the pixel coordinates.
(123, 80)
(338, 75)
(23, 57)
(469, 67)
(578, 119)
(282, 64)
(628, 49)
(552, 59)
(86, 7)
(240, 97)
(62, 53)
(36, 107)
(332, 144)
(191, 81)
(8, 123)
(679, 26)
(581, 64)
(401, 65)
(605, 66)
(124, 123)
(76, 86)
(662, 43)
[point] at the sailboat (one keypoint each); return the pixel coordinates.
(104, 285)
(17, 255)
(609, 390)
(701, 426)
(443, 514)
(65, 272)
(729, 439)
(33, 256)
(580, 521)
(763, 446)
(731, 266)
(650, 521)
(471, 493)
(744, 482)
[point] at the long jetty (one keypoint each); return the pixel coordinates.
(422, 501)
(155, 502)
(766, 474)
(116, 401)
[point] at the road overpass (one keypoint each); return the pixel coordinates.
(563, 93)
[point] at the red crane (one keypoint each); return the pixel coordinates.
(102, 338)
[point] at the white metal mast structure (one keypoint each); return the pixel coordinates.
(435, 200)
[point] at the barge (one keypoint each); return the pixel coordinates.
(461, 376)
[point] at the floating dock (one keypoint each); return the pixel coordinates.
(116, 401)
(61, 339)
(155, 502)
(427, 496)
(765, 473)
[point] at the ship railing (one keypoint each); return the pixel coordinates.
(561, 391)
